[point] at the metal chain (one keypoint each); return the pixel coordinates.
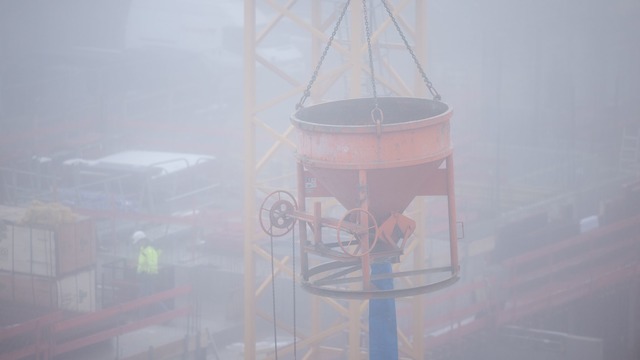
(273, 297)
(314, 77)
(430, 87)
(293, 265)
(368, 34)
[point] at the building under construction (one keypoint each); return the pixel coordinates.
(323, 179)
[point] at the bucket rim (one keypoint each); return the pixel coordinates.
(441, 112)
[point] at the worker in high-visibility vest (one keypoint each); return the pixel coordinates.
(147, 268)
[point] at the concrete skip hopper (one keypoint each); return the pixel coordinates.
(374, 156)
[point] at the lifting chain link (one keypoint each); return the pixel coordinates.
(376, 109)
(314, 77)
(432, 89)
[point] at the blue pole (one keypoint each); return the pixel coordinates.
(383, 335)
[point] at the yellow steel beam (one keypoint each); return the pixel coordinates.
(249, 177)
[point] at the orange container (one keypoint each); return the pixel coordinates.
(401, 144)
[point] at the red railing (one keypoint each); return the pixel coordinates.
(87, 322)
(34, 333)
(52, 335)
(539, 280)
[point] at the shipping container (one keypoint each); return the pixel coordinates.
(74, 292)
(51, 250)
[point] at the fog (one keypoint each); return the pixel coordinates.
(545, 131)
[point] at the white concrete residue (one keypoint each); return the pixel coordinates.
(169, 162)
(263, 348)
(589, 223)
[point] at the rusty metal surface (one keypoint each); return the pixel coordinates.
(344, 135)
